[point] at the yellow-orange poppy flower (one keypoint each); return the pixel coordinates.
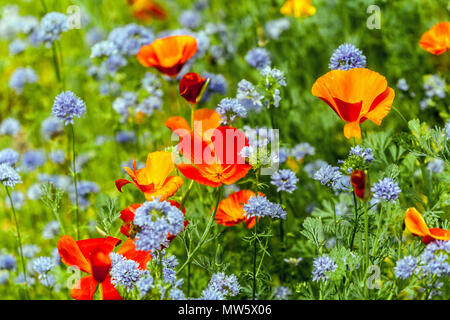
(168, 54)
(204, 121)
(355, 95)
(298, 8)
(154, 180)
(415, 223)
(231, 210)
(436, 40)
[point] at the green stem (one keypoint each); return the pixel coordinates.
(255, 239)
(75, 180)
(56, 63)
(355, 203)
(366, 215)
(186, 194)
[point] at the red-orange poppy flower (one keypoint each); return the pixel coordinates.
(146, 10)
(154, 180)
(168, 54)
(214, 162)
(415, 223)
(358, 180)
(298, 8)
(127, 216)
(355, 95)
(436, 40)
(231, 210)
(205, 120)
(191, 85)
(93, 257)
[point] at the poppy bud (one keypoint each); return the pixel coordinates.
(191, 86)
(358, 180)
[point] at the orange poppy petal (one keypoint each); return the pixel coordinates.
(120, 183)
(415, 223)
(436, 40)
(440, 234)
(193, 173)
(178, 125)
(108, 290)
(84, 289)
(128, 250)
(71, 254)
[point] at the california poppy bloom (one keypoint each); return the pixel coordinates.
(93, 257)
(191, 85)
(146, 10)
(436, 40)
(217, 162)
(231, 210)
(205, 121)
(127, 216)
(358, 180)
(298, 8)
(154, 180)
(415, 223)
(168, 54)
(355, 95)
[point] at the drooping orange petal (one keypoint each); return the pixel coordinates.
(108, 291)
(415, 223)
(71, 255)
(440, 234)
(84, 289)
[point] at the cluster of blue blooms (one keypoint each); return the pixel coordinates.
(386, 189)
(22, 76)
(347, 57)
(68, 106)
(125, 273)
(259, 206)
(221, 286)
(435, 87)
(323, 266)
(285, 180)
(230, 110)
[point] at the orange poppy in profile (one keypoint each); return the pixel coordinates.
(298, 8)
(146, 10)
(436, 40)
(217, 161)
(93, 257)
(355, 95)
(127, 216)
(358, 180)
(415, 223)
(154, 180)
(205, 121)
(231, 210)
(168, 54)
(191, 85)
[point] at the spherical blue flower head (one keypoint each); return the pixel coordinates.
(152, 84)
(20, 77)
(190, 19)
(18, 200)
(273, 77)
(347, 57)
(285, 180)
(33, 159)
(47, 280)
(126, 137)
(217, 85)
(436, 165)
(17, 46)
(130, 38)
(9, 176)
(149, 105)
(366, 154)
(30, 250)
(274, 28)
(176, 294)
(20, 279)
(434, 260)
(220, 287)
(51, 127)
(301, 150)
(405, 267)
(51, 230)
(169, 275)
(8, 262)
(57, 156)
(282, 293)
(9, 157)
(10, 126)
(156, 220)
(259, 206)
(145, 284)
(312, 167)
(434, 86)
(104, 49)
(386, 189)
(327, 175)
(43, 265)
(85, 188)
(124, 273)
(230, 109)
(248, 96)
(53, 24)
(258, 58)
(402, 85)
(68, 106)
(323, 265)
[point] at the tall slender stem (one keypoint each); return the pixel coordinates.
(255, 240)
(75, 180)
(355, 203)
(366, 214)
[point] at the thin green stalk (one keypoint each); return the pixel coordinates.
(19, 239)
(366, 215)
(56, 63)
(186, 194)
(355, 202)
(75, 180)
(255, 239)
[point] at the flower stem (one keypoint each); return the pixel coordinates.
(75, 182)
(255, 238)
(355, 203)
(366, 214)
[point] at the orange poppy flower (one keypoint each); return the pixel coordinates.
(191, 85)
(127, 216)
(168, 54)
(358, 180)
(355, 95)
(146, 10)
(217, 162)
(154, 180)
(415, 223)
(298, 8)
(92, 257)
(231, 210)
(205, 120)
(436, 40)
